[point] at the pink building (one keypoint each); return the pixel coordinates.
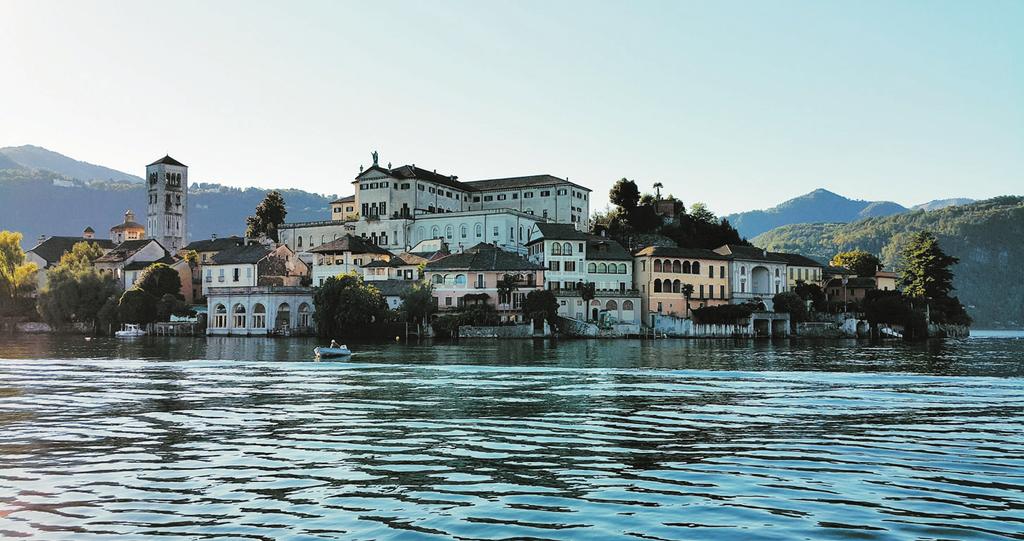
(473, 277)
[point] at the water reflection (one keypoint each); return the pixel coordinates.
(522, 439)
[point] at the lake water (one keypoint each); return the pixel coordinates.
(233, 438)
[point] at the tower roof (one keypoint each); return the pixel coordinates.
(168, 160)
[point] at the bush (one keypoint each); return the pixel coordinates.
(723, 314)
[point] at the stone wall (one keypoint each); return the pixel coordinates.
(498, 331)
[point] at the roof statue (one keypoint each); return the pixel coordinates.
(374, 157)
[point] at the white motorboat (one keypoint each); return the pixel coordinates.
(130, 330)
(332, 352)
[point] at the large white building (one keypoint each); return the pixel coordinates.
(167, 210)
(757, 275)
(397, 208)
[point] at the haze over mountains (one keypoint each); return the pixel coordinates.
(823, 206)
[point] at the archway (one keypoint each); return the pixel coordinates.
(760, 281)
(284, 317)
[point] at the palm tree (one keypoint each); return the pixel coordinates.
(657, 190)
(587, 293)
(687, 291)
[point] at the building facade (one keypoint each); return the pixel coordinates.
(167, 210)
(474, 276)
(259, 310)
(757, 275)
(127, 230)
(662, 272)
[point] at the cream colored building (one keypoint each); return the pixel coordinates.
(127, 230)
(801, 269)
(661, 272)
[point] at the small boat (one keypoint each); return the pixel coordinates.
(332, 353)
(130, 330)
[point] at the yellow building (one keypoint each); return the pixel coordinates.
(661, 272)
(344, 209)
(801, 269)
(128, 230)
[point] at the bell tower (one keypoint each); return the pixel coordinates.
(167, 211)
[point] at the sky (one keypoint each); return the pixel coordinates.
(740, 105)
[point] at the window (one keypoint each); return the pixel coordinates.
(721, 292)
(463, 230)
(515, 196)
(501, 197)
(447, 194)
(657, 265)
(527, 195)
(460, 280)
(405, 185)
(447, 301)
(476, 198)
(563, 191)
(743, 271)
(592, 268)
(304, 315)
(711, 271)
(701, 292)
(721, 271)
(602, 268)
(622, 268)
(239, 317)
(438, 279)
(657, 289)
(570, 266)
(220, 277)
(479, 230)
(488, 198)
(448, 232)
(220, 317)
(259, 317)
(554, 266)
(432, 190)
(235, 274)
(495, 232)
(545, 193)
(420, 187)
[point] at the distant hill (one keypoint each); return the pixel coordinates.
(942, 203)
(33, 157)
(818, 206)
(985, 235)
(37, 201)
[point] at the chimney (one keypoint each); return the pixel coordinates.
(213, 236)
(42, 238)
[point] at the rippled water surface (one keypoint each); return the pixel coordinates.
(247, 439)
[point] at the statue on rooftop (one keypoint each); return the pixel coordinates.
(374, 157)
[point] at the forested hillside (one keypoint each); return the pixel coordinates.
(987, 236)
(817, 206)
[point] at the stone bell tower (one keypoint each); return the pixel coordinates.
(167, 211)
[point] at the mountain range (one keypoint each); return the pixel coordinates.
(823, 206)
(984, 235)
(46, 193)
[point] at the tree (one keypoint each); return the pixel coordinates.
(270, 214)
(862, 263)
(418, 303)
(700, 213)
(926, 272)
(16, 276)
(137, 306)
(541, 304)
(75, 292)
(791, 303)
(588, 291)
(346, 307)
(687, 290)
(160, 279)
(506, 286)
(657, 190)
(107, 317)
(624, 194)
(813, 293)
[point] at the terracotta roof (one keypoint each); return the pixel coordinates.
(140, 265)
(128, 225)
(853, 282)
(604, 248)
(236, 255)
(215, 245)
(483, 257)
(168, 160)
(53, 248)
(89, 229)
(349, 243)
(411, 172)
(751, 253)
(349, 199)
(797, 260)
(393, 262)
(687, 253)
(511, 183)
(127, 249)
(554, 231)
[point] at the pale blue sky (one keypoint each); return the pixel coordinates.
(740, 105)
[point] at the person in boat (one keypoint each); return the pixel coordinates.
(334, 344)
